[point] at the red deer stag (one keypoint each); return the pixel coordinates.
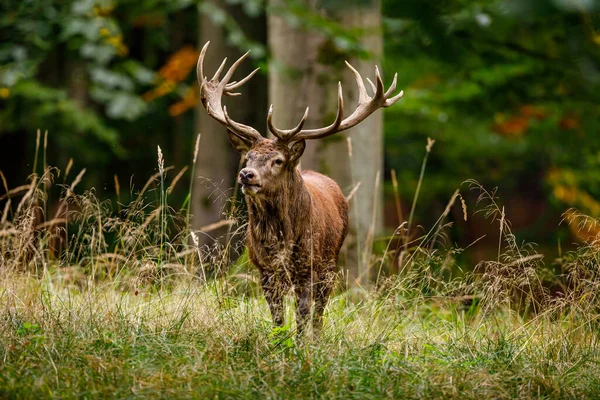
(297, 221)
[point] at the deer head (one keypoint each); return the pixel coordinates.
(270, 161)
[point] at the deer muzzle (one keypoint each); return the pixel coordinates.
(249, 180)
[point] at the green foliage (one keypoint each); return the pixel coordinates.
(27, 328)
(53, 108)
(507, 88)
(40, 31)
(235, 35)
(75, 68)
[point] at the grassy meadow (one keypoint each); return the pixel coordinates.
(101, 299)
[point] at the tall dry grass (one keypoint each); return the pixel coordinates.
(100, 300)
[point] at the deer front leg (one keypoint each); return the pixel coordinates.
(322, 290)
(303, 303)
(274, 293)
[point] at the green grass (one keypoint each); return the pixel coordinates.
(191, 341)
(97, 302)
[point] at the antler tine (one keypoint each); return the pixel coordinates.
(235, 85)
(272, 128)
(362, 91)
(219, 70)
(380, 89)
(233, 67)
(328, 130)
(392, 86)
(285, 135)
(367, 105)
(394, 99)
(300, 125)
(200, 65)
(372, 85)
(212, 91)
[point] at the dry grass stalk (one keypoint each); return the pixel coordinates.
(217, 225)
(196, 148)
(77, 180)
(117, 186)
(150, 181)
(68, 168)
(161, 161)
(51, 223)
(397, 197)
(430, 143)
(464, 207)
(176, 179)
(5, 212)
(4, 183)
(37, 150)
(155, 213)
(28, 195)
(200, 260)
(353, 192)
(368, 246)
(15, 191)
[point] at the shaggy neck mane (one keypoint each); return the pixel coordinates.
(281, 215)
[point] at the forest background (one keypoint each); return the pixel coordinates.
(472, 257)
(508, 89)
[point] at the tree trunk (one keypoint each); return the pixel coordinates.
(366, 162)
(217, 162)
(300, 77)
(294, 79)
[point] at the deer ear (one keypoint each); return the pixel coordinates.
(296, 150)
(242, 145)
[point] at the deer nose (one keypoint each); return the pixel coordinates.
(247, 175)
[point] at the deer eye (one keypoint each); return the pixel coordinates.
(279, 161)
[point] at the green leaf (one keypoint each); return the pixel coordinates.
(111, 79)
(123, 105)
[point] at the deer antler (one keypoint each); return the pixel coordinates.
(367, 105)
(211, 92)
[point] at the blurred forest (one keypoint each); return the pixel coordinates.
(509, 90)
